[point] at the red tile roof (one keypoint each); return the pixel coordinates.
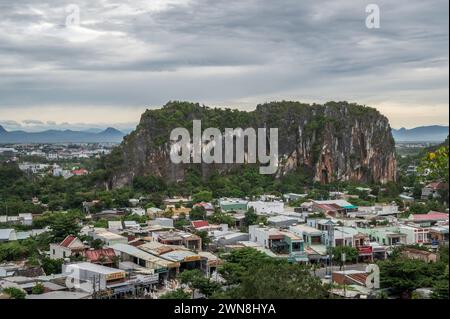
(67, 241)
(97, 255)
(200, 223)
(81, 171)
(430, 216)
(437, 185)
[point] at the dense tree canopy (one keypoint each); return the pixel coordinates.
(259, 276)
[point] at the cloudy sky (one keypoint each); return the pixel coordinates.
(126, 56)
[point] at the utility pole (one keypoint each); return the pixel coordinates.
(343, 268)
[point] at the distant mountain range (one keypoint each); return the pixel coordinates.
(433, 133)
(59, 136)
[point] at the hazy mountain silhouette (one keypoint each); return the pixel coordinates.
(61, 136)
(433, 133)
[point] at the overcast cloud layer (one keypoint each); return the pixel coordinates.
(127, 56)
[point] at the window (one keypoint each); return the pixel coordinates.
(296, 246)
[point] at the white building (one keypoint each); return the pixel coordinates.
(415, 234)
(26, 219)
(138, 211)
(162, 221)
(115, 225)
(380, 210)
(7, 235)
(84, 271)
(293, 197)
(70, 246)
(261, 207)
(281, 221)
(108, 237)
(33, 167)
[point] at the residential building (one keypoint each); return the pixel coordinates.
(161, 221)
(154, 211)
(281, 221)
(177, 200)
(439, 234)
(7, 234)
(105, 257)
(428, 219)
(415, 234)
(26, 219)
(98, 277)
(380, 210)
(289, 197)
(267, 208)
(279, 242)
(420, 254)
(115, 225)
(310, 235)
(70, 246)
(335, 208)
(208, 207)
(179, 238)
(108, 237)
(230, 205)
(223, 238)
(390, 235)
(166, 269)
(433, 190)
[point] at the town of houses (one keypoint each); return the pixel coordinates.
(143, 260)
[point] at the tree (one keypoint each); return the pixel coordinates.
(13, 251)
(239, 261)
(404, 276)
(203, 196)
(280, 281)
(15, 293)
(205, 238)
(197, 281)
(221, 218)
(351, 254)
(197, 213)
(96, 243)
(38, 289)
(250, 217)
(63, 225)
(52, 266)
(418, 208)
(176, 294)
(434, 166)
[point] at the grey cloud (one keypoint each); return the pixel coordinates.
(9, 123)
(236, 52)
(32, 122)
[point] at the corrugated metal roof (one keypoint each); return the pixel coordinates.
(5, 234)
(135, 252)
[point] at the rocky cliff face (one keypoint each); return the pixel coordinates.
(336, 141)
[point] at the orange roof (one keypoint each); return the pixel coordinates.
(200, 223)
(98, 254)
(67, 241)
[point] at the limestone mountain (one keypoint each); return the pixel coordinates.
(336, 141)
